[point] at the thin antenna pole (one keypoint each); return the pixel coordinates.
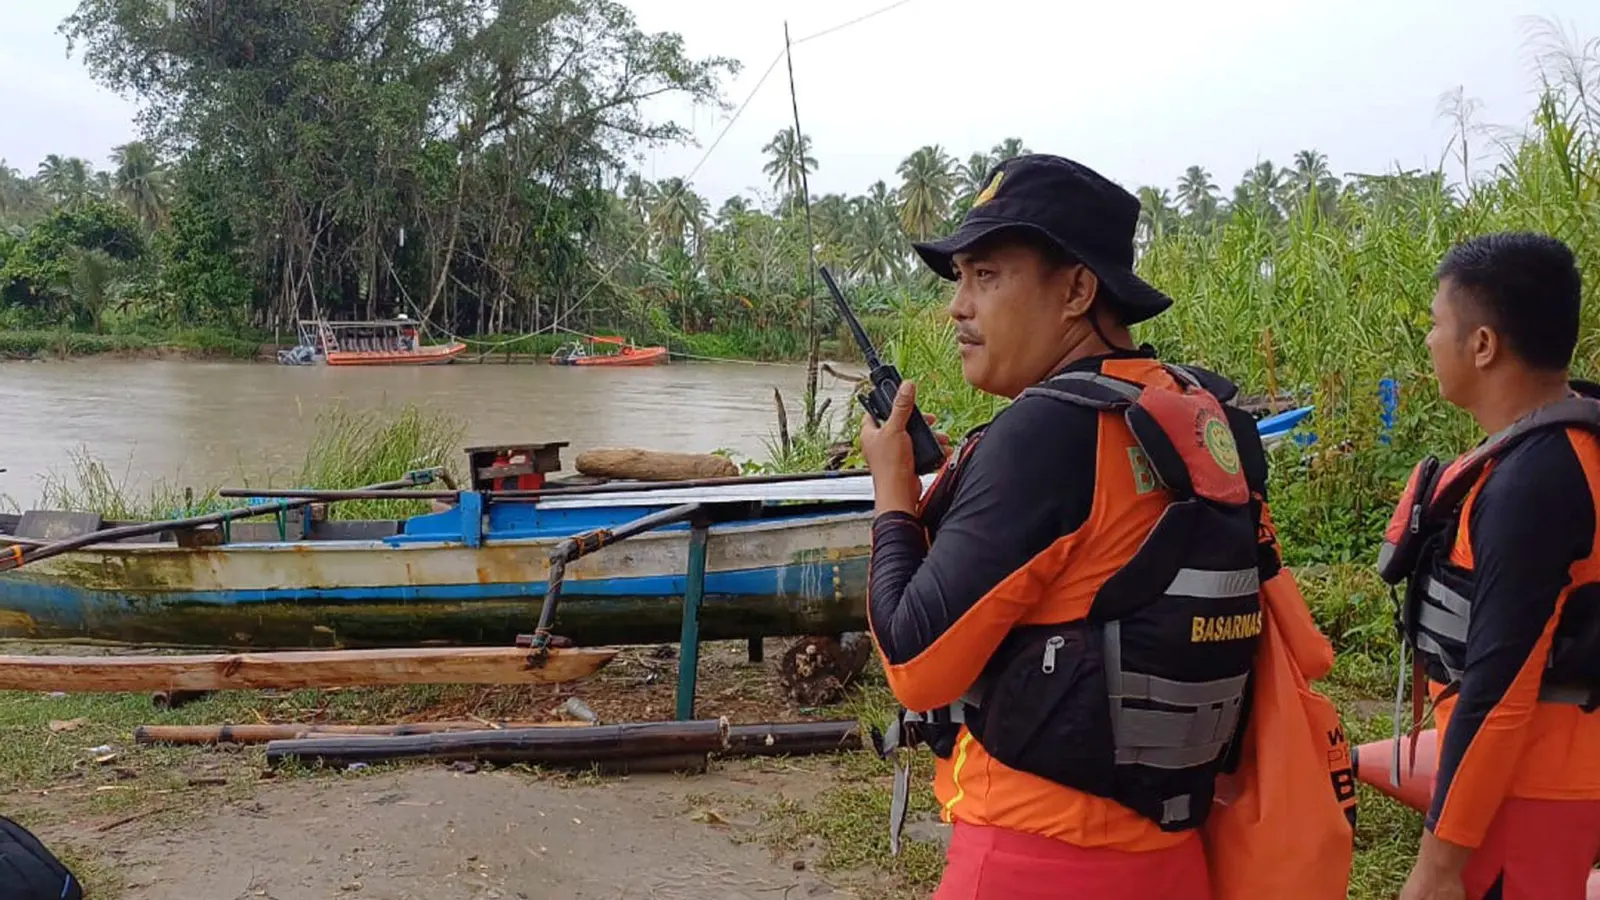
(813, 345)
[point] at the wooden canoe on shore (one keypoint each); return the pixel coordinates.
(775, 569)
(779, 559)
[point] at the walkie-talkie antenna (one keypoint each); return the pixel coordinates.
(850, 319)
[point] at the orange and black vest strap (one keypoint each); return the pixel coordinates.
(1433, 493)
(1435, 611)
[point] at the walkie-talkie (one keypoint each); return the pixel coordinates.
(926, 453)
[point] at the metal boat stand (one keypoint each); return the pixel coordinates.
(581, 545)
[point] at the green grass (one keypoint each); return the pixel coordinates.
(351, 448)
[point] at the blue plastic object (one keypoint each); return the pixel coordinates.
(1389, 399)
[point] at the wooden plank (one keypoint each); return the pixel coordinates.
(299, 669)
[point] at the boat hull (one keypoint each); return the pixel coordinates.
(430, 355)
(646, 356)
(805, 574)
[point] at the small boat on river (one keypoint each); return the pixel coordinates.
(378, 343)
(574, 354)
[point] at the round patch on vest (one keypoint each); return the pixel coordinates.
(1219, 442)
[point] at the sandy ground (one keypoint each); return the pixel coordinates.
(436, 834)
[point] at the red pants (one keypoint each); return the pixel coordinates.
(985, 863)
(1536, 850)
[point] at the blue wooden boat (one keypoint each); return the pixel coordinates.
(470, 575)
(779, 559)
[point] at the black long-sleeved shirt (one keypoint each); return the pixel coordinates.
(1027, 481)
(1531, 519)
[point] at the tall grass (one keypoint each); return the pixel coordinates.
(350, 448)
(91, 486)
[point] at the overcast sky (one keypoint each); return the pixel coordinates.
(1138, 89)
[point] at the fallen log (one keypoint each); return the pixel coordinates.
(793, 738)
(581, 745)
(261, 734)
(654, 465)
(816, 670)
(301, 669)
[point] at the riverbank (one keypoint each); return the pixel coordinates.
(185, 344)
(742, 345)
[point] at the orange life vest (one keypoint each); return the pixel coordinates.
(1157, 592)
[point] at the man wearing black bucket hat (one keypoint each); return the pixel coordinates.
(1071, 609)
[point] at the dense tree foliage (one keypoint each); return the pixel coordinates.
(468, 162)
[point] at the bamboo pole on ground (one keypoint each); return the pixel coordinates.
(581, 745)
(755, 739)
(261, 734)
(793, 738)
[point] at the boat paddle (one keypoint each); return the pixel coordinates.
(16, 556)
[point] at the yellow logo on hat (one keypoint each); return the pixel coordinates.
(987, 193)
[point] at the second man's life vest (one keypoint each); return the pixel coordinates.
(1142, 701)
(1435, 610)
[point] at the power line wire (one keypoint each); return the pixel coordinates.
(856, 21)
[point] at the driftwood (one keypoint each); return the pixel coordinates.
(261, 734)
(654, 465)
(816, 670)
(581, 745)
(300, 669)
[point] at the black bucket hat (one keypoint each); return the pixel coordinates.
(1088, 216)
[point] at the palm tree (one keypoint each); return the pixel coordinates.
(880, 251)
(1261, 189)
(140, 183)
(791, 160)
(928, 181)
(89, 287)
(1198, 194)
(1008, 148)
(731, 209)
(636, 195)
(676, 212)
(970, 175)
(1311, 177)
(1156, 214)
(66, 182)
(13, 191)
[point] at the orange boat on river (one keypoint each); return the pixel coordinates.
(429, 355)
(386, 343)
(574, 354)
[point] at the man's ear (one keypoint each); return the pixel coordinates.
(1484, 345)
(1080, 286)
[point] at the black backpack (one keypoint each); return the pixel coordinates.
(30, 872)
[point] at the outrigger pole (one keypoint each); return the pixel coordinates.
(542, 493)
(17, 556)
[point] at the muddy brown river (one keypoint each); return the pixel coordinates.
(213, 423)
